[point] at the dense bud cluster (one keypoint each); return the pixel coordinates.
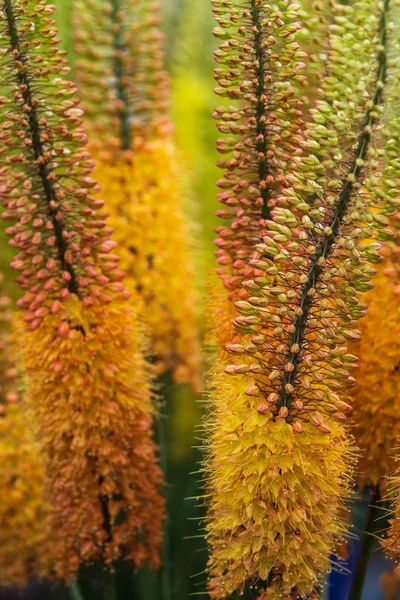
(259, 68)
(25, 549)
(119, 41)
(377, 391)
(45, 187)
(289, 363)
(124, 90)
(376, 394)
(90, 395)
(143, 196)
(82, 348)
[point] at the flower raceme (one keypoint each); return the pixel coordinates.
(376, 393)
(94, 418)
(25, 549)
(81, 344)
(258, 70)
(275, 505)
(141, 192)
(261, 120)
(124, 90)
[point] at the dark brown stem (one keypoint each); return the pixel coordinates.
(260, 108)
(367, 545)
(37, 146)
(118, 67)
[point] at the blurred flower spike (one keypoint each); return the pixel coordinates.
(125, 94)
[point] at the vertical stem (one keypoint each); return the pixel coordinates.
(366, 547)
(165, 564)
(109, 591)
(74, 590)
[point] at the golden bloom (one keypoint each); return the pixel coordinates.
(377, 393)
(24, 548)
(141, 189)
(89, 392)
(276, 496)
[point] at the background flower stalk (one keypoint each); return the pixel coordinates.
(131, 138)
(25, 548)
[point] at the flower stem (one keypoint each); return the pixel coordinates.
(74, 590)
(366, 547)
(109, 590)
(166, 565)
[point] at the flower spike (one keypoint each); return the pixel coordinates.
(280, 457)
(377, 391)
(124, 90)
(259, 69)
(81, 345)
(61, 235)
(119, 69)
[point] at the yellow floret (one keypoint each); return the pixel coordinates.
(142, 194)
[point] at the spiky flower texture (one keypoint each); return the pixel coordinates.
(24, 534)
(279, 454)
(124, 89)
(81, 345)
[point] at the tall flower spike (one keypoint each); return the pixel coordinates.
(261, 120)
(24, 549)
(279, 454)
(124, 89)
(81, 345)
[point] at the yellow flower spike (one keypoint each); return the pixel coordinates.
(90, 394)
(24, 548)
(142, 194)
(281, 523)
(125, 93)
(280, 458)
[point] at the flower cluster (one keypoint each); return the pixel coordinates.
(90, 395)
(259, 70)
(298, 309)
(81, 345)
(120, 42)
(275, 494)
(58, 228)
(25, 549)
(124, 91)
